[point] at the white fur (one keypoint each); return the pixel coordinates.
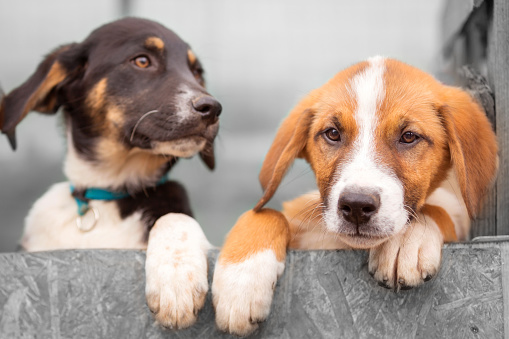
(364, 170)
(406, 259)
(184, 148)
(184, 103)
(176, 270)
(51, 224)
(176, 264)
(242, 292)
(448, 196)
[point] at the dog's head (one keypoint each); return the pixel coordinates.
(380, 137)
(132, 84)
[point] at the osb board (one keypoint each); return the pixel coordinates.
(322, 294)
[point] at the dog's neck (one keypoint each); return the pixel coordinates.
(117, 169)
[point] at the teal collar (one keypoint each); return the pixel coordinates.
(83, 197)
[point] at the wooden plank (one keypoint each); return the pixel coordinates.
(505, 278)
(498, 76)
(455, 15)
(322, 294)
(486, 222)
(469, 47)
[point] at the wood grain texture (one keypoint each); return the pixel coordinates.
(498, 76)
(486, 222)
(455, 14)
(481, 40)
(505, 278)
(322, 294)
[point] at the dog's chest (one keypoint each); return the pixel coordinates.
(51, 223)
(155, 202)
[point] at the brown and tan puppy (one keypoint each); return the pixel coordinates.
(390, 146)
(134, 102)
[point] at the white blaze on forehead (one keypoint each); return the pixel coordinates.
(364, 169)
(369, 91)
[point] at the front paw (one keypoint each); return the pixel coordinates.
(408, 259)
(242, 292)
(176, 271)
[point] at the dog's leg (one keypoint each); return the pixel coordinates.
(247, 270)
(413, 257)
(176, 270)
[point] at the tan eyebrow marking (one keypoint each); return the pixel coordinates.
(154, 42)
(191, 57)
(96, 98)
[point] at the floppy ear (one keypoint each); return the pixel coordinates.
(38, 93)
(289, 143)
(473, 147)
(207, 155)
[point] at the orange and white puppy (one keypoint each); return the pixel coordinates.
(388, 145)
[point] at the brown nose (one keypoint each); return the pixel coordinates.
(208, 107)
(358, 208)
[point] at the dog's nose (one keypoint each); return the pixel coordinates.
(208, 107)
(358, 208)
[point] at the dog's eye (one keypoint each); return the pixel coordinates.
(408, 138)
(141, 61)
(198, 75)
(333, 134)
(198, 72)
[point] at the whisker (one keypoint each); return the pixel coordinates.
(309, 211)
(307, 207)
(412, 212)
(312, 218)
(139, 120)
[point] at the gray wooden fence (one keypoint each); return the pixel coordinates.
(476, 33)
(322, 294)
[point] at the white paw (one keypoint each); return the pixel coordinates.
(176, 270)
(410, 258)
(242, 292)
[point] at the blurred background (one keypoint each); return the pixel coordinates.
(260, 58)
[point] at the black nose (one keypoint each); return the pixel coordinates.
(208, 107)
(358, 207)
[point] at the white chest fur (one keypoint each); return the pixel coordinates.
(51, 224)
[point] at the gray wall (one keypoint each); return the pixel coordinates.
(260, 57)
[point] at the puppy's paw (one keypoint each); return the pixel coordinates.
(242, 292)
(408, 259)
(176, 270)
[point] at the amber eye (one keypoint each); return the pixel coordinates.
(333, 134)
(408, 138)
(141, 61)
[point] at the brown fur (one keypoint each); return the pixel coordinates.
(443, 220)
(472, 145)
(450, 132)
(265, 229)
(404, 243)
(455, 133)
